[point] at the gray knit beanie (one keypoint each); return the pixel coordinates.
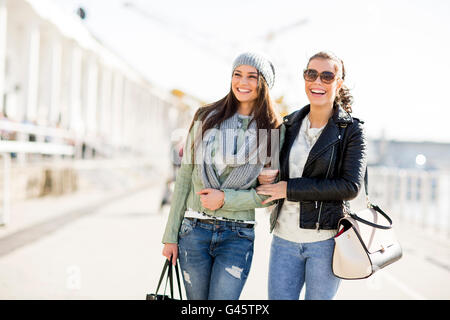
(258, 61)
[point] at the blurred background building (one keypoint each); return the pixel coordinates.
(65, 98)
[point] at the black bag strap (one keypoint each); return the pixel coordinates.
(166, 265)
(342, 132)
(366, 184)
(169, 279)
(178, 280)
(366, 187)
(378, 226)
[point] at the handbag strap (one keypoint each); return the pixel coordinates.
(178, 280)
(378, 226)
(170, 279)
(366, 189)
(168, 265)
(170, 276)
(342, 132)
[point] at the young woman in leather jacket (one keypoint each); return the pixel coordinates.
(322, 165)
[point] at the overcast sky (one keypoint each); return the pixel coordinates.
(396, 52)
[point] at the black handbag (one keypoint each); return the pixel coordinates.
(169, 279)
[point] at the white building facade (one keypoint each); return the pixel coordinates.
(58, 84)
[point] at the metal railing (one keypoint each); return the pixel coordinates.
(57, 142)
(8, 147)
(54, 135)
(415, 196)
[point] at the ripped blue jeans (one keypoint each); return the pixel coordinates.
(215, 259)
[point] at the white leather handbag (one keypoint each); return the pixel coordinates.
(365, 243)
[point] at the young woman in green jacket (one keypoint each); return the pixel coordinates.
(211, 221)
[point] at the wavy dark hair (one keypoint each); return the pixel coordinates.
(344, 98)
(263, 112)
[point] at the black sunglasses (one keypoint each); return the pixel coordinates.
(311, 75)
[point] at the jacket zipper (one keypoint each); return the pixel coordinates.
(324, 149)
(321, 202)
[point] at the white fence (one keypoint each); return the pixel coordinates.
(25, 147)
(415, 196)
(7, 147)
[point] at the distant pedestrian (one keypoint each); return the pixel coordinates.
(322, 164)
(212, 215)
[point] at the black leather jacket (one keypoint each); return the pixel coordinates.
(333, 172)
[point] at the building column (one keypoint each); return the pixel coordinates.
(28, 108)
(104, 116)
(75, 118)
(91, 105)
(121, 112)
(3, 37)
(55, 98)
(33, 72)
(128, 109)
(75, 90)
(92, 92)
(117, 106)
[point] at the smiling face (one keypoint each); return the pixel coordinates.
(318, 92)
(244, 83)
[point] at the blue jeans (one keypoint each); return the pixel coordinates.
(294, 264)
(215, 259)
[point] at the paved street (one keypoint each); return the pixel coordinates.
(108, 246)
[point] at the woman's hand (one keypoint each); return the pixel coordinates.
(275, 191)
(212, 199)
(267, 176)
(170, 250)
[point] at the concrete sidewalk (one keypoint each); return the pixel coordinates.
(112, 250)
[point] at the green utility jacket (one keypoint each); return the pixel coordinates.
(239, 204)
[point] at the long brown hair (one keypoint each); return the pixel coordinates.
(344, 98)
(263, 112)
